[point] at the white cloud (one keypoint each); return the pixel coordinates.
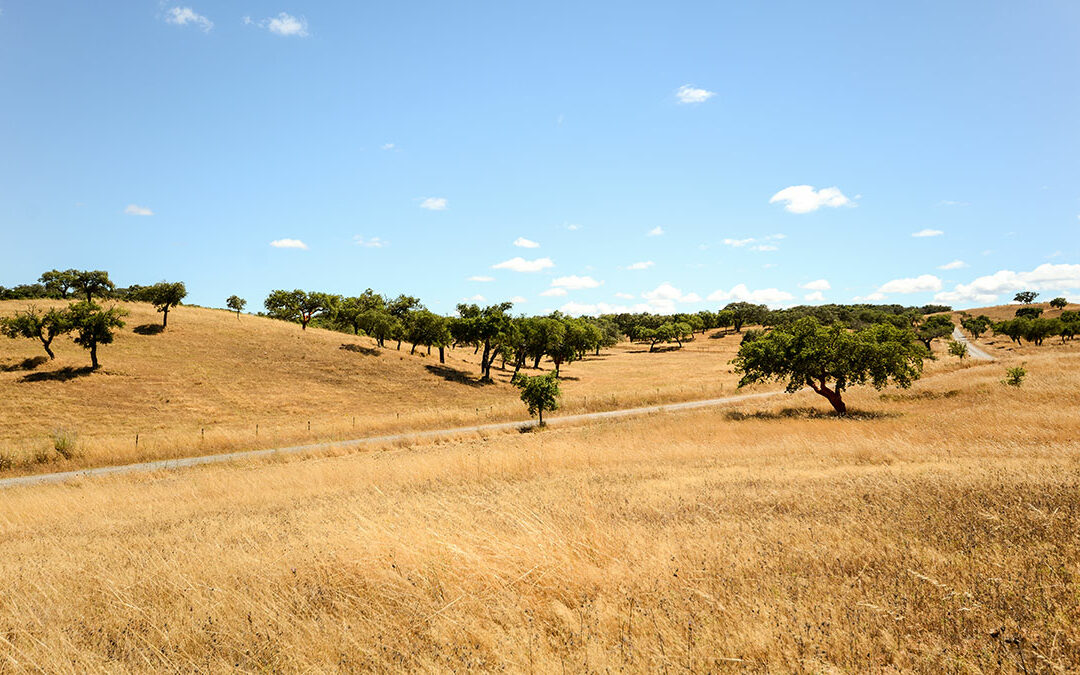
(776, 236)
(924, 283)
(525, 243)
(182, 16)
(374, 242)
(954, 265)
(517, 299)
(690, 94)
(481, 278)
(574, 282)
(520, 264)
(927, 233)
(738, 243)
(662, 299)
(764, 247)
(387, 146)
(136, 210)
(986, 289)
(624, 296)
(817, 285)
(643, 265)
(872, 297)
(579, 308)
(816, 296)
(475, 298)
(767, 296)
(655, 232)
(554, 292)
(804, 198)
(288, 243)
(286, 25)
(573, 227)
(433, 203)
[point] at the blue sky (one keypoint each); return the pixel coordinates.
(661, 156)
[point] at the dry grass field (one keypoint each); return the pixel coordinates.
(938, 530)
(204, 384)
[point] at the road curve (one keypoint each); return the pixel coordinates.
(164, 464)
(975, 352)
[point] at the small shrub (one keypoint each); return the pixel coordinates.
(42, 456)
(64, 443)
(6, 461)
(958, 349)
(1014, 377)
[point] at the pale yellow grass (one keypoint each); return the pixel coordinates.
(206, 383)
(937, 532)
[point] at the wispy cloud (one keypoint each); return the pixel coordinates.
(690, 94)
(182, 16)
(288, 243)
(804, 198)
(928, 233)
(655, 232)
(750, 241)
(643, 265)
(136, 210)
(481, 278)
(519, 264)
(286, 25)
(433, 203)
(817, 285)
(387, 146)
(374, 242)
(525, 243)
(554, 292)
(954, 265)
(574, 282)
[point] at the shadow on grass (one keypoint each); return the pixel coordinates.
(807, 414)
(25, 364)
(920, 395)
(657, 350)
(720, 336)
(360, 349)
(457, 376)
(148, 329)
(62, 375)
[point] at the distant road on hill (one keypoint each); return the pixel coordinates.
(166, 464)
(974, 351)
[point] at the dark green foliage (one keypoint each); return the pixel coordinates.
(743, 313)
(976, 326)
(91, 283)
(163, 296)
(1026, 297)
(297, 305)
(36, 325)
(1028, 312)
(1059, 303)
(958, 349)
(60, 283)
(1014, 377)
(539, 393)
(236, 304)
(830, 358)
(934, 327)
(94, 326)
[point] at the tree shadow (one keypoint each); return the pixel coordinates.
(62, 375)
(148, 329)
(25, 364)
(457, 376)
(719, 336)
(807, 414)
(360, 349)
(658, 350)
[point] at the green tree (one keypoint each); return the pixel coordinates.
(958, 349)
(482, 328)
(1026, 297)
(59, 282)
(164, 296)
(95, 326)
(35, 325)
(426, 328)
(539, 393)
(1027, 312)
(297, 305)
(934, 327)
(831, 358)
(91, 283)
(1059, 303)
(743, 313)
(1014, 377)
(236, 304)
(976, 326)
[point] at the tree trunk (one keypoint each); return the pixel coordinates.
(540, 412)
(48, 349)
(536, 361)
(165, 318)
(93, 356)
(399, 344)
(413, 350)
(832, 397)
(442, 354)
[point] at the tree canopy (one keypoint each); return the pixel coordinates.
(37, 325)
(95, 326)
(163, 296)
(539, 393)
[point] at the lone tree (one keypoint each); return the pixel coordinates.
(539, 393)
(936, 326)
(95, 326)
(829, 359)
(1059, 303)
(958, 349)
(91, 283)
(31, 324)
(297, 305)
(1026, 297)
(164, 296)
(236, 304)
(60, 283)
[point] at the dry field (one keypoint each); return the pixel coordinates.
(936, 531)
(204, 384)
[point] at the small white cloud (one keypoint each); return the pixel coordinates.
(575, 283)
(475, 298)
(624, 296)
(517, 299)
(288, 243)
(924, 283)
(572, 227)
(817, 285)
(655, 232)
(954, 265)
(764, 247)
(286, 25)
(804, 198)
(766, 296)
(643, 265)
(690, 94)
(816, 296)
(481, 279)
(927, 233)
(520, 264)
(554, 292)
(525, 243)
(872, 297)
(374, 242)
(738, 243)
(387, 146)
(136, 210)
(433, 203)
(182, 16)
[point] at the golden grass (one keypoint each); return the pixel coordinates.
(204, 384)
(936, 532)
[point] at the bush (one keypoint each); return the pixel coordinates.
(6, 461)
(958, 349)
(64, 443)
(1014, 377)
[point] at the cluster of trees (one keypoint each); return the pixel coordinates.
(89, 323)
(1035, 329)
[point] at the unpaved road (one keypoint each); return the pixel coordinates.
(165, 464)
(974, 351)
